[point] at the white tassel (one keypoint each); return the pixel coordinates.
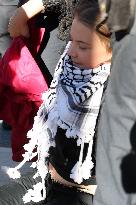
(34, 194)
(33, 165)
(13, 173)
(76, 173)
(83, 170)
(88, 164)
(86, 169)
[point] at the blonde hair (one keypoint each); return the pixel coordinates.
(103, 32)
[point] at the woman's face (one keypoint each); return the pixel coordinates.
(86, 49)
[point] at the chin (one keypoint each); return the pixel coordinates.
(78, 65)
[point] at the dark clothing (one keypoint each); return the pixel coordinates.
(64, 156)
(58, 194)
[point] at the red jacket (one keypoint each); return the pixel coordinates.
(21, 87)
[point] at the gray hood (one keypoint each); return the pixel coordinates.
(121, 14)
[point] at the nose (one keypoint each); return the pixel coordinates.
(72, 51)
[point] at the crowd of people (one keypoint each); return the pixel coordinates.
(81, 135)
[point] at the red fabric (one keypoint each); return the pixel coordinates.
(21, 86)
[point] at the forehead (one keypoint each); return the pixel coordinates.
(81, 32)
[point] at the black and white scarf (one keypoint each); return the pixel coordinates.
(72, 103)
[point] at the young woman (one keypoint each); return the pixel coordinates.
(64, 129)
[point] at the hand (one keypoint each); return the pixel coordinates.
(18, 24)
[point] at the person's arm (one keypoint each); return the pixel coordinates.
(18, 22)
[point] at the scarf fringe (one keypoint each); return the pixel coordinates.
(82, 170)
(40, 141)
(72, 132)
(35, 193)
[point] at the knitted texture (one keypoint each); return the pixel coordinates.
(65, 10)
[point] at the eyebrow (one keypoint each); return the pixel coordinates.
(83, 42)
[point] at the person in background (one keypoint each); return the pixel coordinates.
(64, 131)
(116, 145)
(7, 9)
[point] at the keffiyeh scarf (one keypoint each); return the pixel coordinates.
(72, 103)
